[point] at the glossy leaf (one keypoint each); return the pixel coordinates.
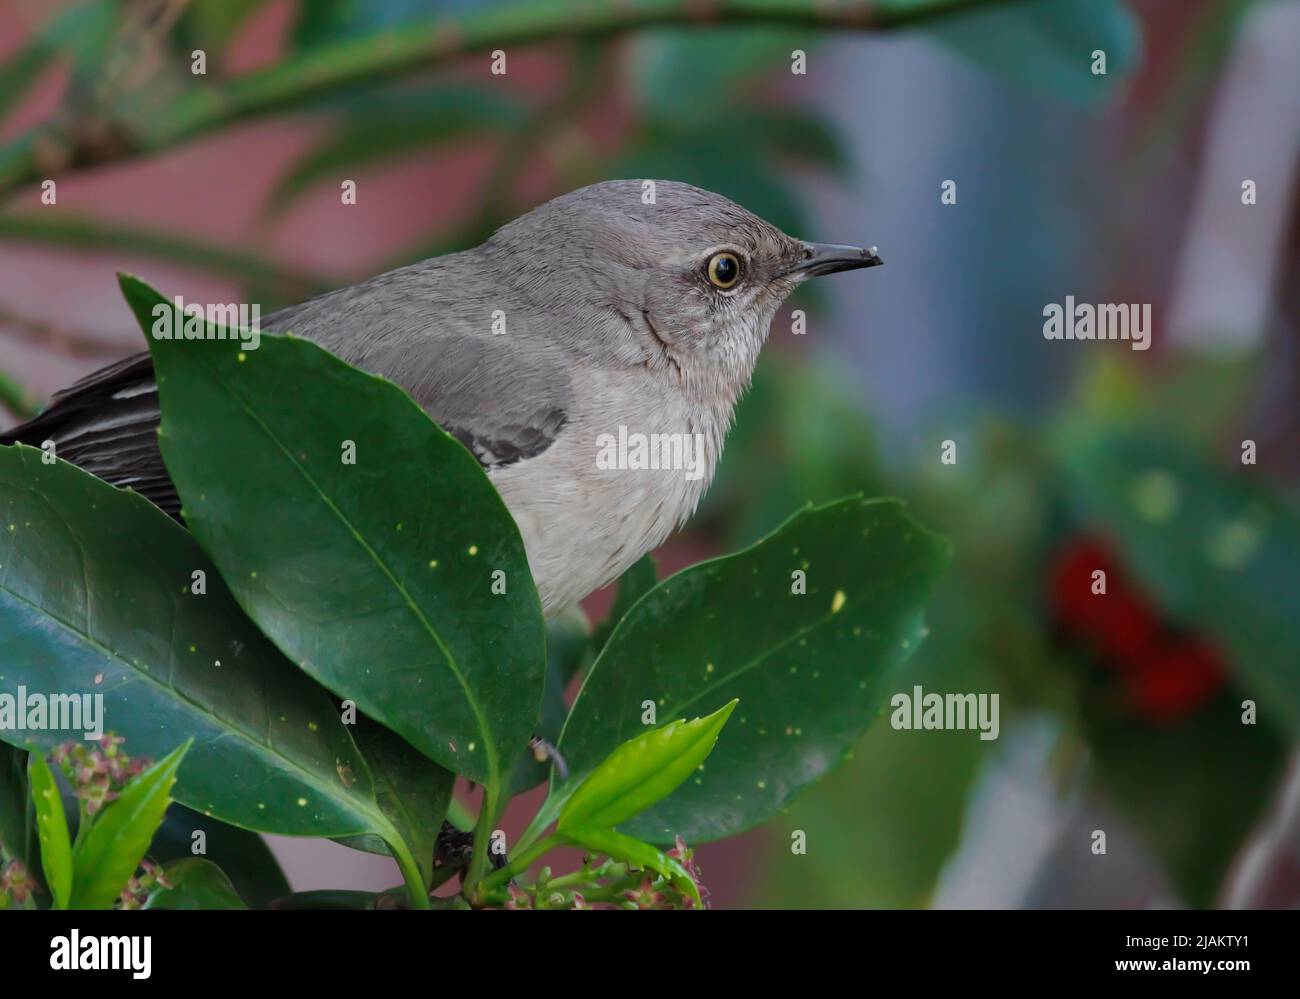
(120, 834)
(632, 586)
(87, 610)
(568, 647)
(810, 670)
(52, 828)
(412, 790)
(644, 770)
(196, 883)
(241, 855)
(374, 576)
(639, 854)
(17, 812)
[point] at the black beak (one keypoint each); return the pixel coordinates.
(830, 258)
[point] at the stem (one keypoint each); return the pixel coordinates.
(487, 817)
(523, 861)
(387, 55)
(458, 815)
(415, 888)
(93, 236)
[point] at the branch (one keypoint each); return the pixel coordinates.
(48, 334)
(73, 233)
(328, 69)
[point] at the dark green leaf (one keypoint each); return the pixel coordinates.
(810, 670)
(195, 884)
(119, 835)
(568, 645)
(17, 812)
(632, 586)
(90, 610)
(52, 827)
(242, 855)
(643, 771)
(413, 791)
(375, 577)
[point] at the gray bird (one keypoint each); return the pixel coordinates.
(622, 309)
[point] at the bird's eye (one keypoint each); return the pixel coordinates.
(724, 270)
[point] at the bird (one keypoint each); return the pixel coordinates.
(619, 311)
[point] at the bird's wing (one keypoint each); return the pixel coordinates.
(107, 424)
(505, 400)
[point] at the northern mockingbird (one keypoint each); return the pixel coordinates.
(589, 354)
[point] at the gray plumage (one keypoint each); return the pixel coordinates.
(611, 319)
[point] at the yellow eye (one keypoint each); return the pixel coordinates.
(724, 270)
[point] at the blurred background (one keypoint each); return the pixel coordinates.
(1163, 714)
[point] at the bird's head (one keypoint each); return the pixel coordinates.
(663, 274)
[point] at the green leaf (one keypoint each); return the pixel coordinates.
(642, 771)
(897, 806)
(119, 835)
(374, 577)
(810, 670)
(242, 855)
(95, 611)
(196, 883)
(1220, 552)
(18, 833)
(632, 586)
(413, 792)
(568, 645)
(639, 854)
(52, 827)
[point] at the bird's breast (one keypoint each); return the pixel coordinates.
(631, 464)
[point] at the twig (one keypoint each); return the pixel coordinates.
(90, 235)
(48, 334)
(320, 72)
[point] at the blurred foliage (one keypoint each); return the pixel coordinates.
(716, 107)
(1191, 789)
